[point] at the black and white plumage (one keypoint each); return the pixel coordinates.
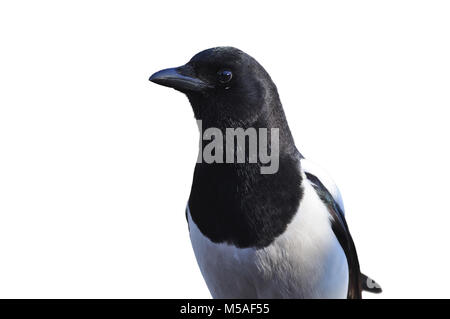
(281, 235)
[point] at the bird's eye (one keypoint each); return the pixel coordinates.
(224, 76)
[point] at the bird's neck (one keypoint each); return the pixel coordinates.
(237, 204)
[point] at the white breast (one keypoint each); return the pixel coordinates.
(306, 261)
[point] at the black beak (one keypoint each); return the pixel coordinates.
(180, 79)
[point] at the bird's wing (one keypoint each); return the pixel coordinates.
(330, 195)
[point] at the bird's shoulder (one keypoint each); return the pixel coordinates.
(322, 180)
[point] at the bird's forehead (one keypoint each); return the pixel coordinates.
(218, 56)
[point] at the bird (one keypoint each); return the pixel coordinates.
(254, 235)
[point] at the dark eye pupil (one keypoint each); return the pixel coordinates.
(225, 76)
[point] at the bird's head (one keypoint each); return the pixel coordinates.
(225, 86)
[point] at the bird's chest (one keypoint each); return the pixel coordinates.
(306, 261)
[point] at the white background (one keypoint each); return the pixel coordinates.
(96, 162)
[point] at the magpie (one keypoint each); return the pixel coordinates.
(280, 235)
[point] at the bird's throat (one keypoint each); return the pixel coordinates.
(236, 204)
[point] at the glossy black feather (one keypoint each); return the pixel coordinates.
(235, 203)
